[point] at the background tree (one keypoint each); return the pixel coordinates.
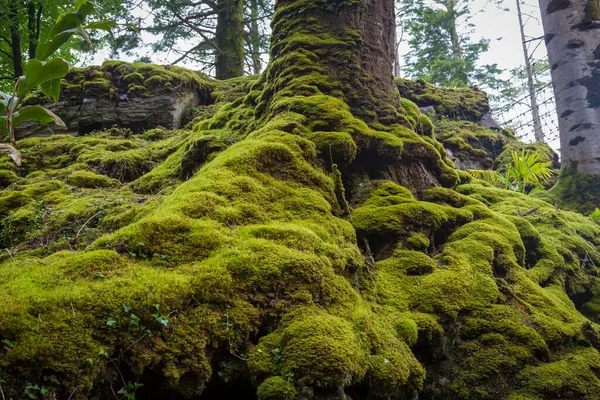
(26, 22)
(443, 51)
(227, 37)
(571, 32)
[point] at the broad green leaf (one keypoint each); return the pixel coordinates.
(36, 113)
(68, 21)
(105, 26)
(46, 49)
(38, 73)
(52, 89)
(85, 9)
(22, 86)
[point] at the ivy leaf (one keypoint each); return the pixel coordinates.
(111, 321)
(8, 343)
(126, 308)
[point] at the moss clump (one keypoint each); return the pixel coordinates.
(468, 104)
(276, 388)
(574, 191)
(91, 180)
(116, 78)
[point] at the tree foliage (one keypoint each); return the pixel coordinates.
(26, 23)
(188, 29)
(443, 51)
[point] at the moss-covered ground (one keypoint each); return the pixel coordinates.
(283, 243)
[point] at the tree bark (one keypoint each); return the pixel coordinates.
(572, 38)
(354, 41)
(255, 37)
(33, 26)
(15, 39)
(229, 61)
(535, 111)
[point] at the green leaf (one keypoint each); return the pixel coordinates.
(46, 49)
(52, 89)
(126, 308)
(8, 343)
(36, 113)
(111, 321)
(104, 26)
(86, 8)
(66, 22)
(38, 72)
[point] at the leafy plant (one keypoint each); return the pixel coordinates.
(595, 216)
(526, 170)
(44, 73)
(129, 391)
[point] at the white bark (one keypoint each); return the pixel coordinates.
(572, 37)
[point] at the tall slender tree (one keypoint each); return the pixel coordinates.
(572, 36)
(443, 51)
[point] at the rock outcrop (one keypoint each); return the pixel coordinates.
(136, 96)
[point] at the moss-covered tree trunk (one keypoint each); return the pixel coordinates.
(229, 60)
(572, 35)
(354, 42)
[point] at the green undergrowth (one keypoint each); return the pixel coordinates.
(285, 242)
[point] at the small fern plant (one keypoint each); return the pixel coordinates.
(595, 216)
(524, 171)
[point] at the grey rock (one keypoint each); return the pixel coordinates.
(137, 114)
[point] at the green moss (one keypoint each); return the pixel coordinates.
(276, 388)
(461, 103)
(88, 179)
(574, 191)
(113, 78)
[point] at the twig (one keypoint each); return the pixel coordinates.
(10, 255)
(72, 309)
(527, 213)
(128, 347)
(73, 392)
(86, 222)
(2, 392)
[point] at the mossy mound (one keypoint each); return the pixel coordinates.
(115, 79)
(468, 104)
(288, 247)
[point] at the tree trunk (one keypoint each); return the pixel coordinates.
(255, 37)
(354, 42)
(229, 61)
(535, 112)
(573, 42)
(33, 26)
(15, 39)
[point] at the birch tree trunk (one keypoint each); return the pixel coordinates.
(572, 38)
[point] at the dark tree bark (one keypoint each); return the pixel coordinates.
(229, 38)
(33, 26)
(255, 37)
(15, 39)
